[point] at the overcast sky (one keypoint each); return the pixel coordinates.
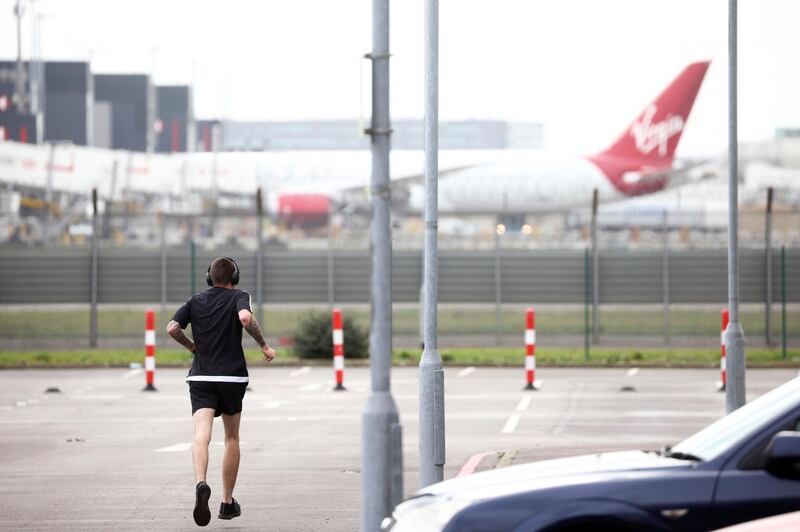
(584, 68)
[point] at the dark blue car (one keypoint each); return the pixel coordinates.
(742, 467)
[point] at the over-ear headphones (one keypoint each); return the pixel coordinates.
(234, 277)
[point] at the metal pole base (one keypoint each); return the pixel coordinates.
(339, 388)
(381, 460)
(720, 387)
(735, 361)
(431, 418)
(531, 387)
(149, 388)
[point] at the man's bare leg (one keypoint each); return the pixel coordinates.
(203, 420)
(230, 459)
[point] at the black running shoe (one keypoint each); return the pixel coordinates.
(229, 511)
(202, 515)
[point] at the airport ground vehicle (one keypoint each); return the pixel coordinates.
(742, 467)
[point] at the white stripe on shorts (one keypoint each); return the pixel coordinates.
(217, 378)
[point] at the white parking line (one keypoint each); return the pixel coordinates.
(274, 404)
(22, 403)
(511, 424)
(632, 372)
(183, 447)
(32, 401)
(524, 403)
(314, 386)
(178, 447)
(131, 373)
(466, 371)
(6, 408)
(301, 371)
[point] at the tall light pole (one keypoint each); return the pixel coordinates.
(382, 452)
(734, 334)
(431, 376)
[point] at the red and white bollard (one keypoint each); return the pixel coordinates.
(150, 349)
(722, 360)
(530, 349)
(338, 349)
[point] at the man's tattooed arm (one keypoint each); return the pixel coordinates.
(254, 330)
(174, 330)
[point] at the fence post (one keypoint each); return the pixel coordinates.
(331, 287)
(783, 301)
(665, 276)
(259, 257)
(498, 280)
(595, 274)
(338, 349)
(94, 274)
(150, 350)
(192, 259)
(530, 349)
(163, 220)
(768, 269)
(587, 280)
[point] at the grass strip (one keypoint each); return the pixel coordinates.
(504, 357)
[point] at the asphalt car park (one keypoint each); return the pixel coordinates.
(102, 455)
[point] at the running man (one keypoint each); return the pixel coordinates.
(218, 378)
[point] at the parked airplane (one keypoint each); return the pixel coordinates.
(305, 186)
(641, 161)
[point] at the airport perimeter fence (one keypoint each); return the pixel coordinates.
(643, 288)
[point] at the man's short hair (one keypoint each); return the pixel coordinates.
(222, 271)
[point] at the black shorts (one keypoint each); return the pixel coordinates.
(223, 397)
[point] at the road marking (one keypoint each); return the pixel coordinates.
(183, 447)
(274, 404)
(472, 463)
(511, 424)
(570, 413)
(632, 372)
(32, 401)
(524, 403)
(314, 386)
(6, 408)
(178, 447)
(22, 403)
(301, 371)
(131, 373)
(466, 371)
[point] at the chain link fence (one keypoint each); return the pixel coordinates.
(658, 283)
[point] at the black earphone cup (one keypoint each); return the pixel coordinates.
(235, 276)
(209, 282)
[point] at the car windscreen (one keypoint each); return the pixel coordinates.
(739, 424)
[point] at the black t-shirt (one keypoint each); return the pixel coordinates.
(217, 334)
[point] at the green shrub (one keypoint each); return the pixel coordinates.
(314, 337)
